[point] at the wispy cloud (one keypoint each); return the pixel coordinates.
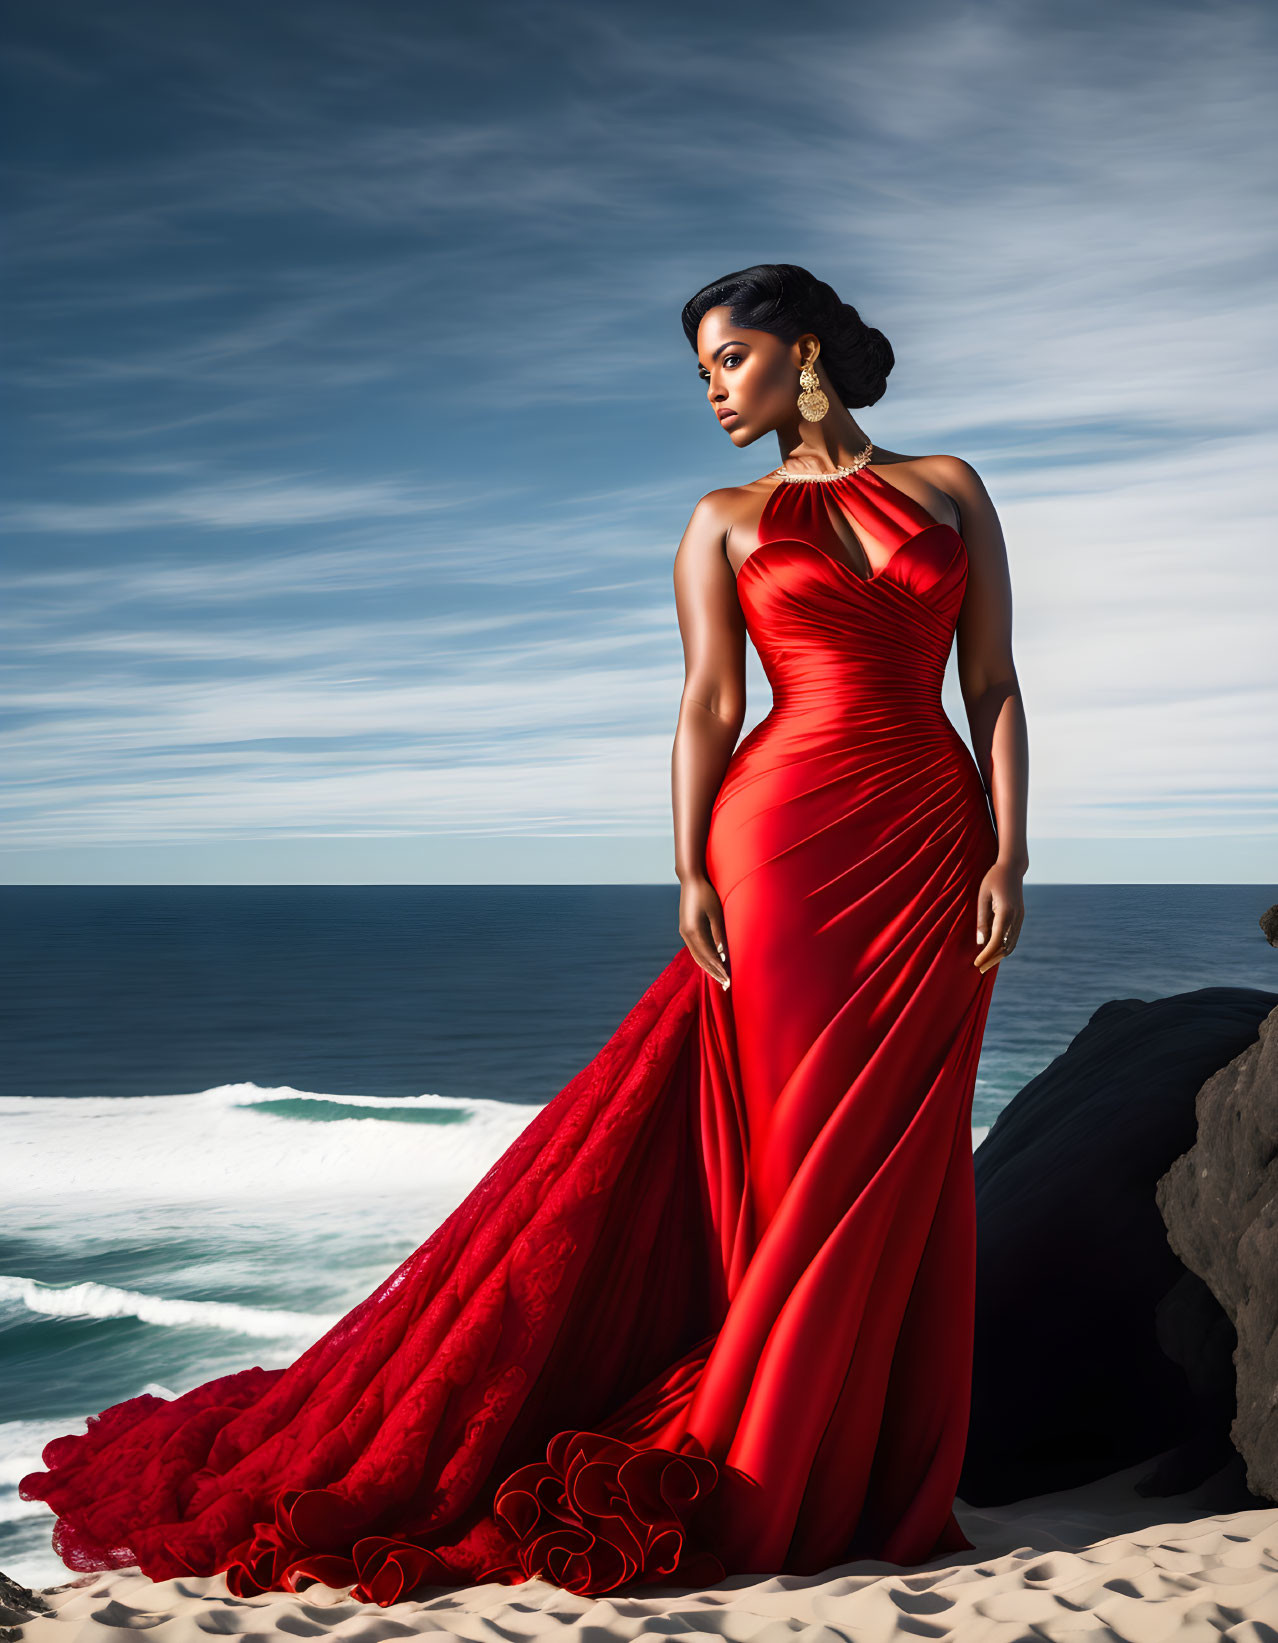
(242, 502)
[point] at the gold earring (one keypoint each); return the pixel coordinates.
(812, 402)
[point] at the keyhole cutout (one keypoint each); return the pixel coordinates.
(856, 554)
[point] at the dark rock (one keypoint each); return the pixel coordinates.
(1220, 1205)
(1195, 1333)
(1269, 924)
(18, 1603)
(1074, 1269)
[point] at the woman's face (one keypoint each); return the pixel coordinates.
(751, 377)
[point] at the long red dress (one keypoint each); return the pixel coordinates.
(711, 1313)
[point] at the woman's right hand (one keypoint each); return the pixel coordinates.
(701, 926)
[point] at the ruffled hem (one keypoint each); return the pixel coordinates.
(600, 1513)
(597, 1514)
(315, 1537)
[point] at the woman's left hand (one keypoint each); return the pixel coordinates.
(1000, 913)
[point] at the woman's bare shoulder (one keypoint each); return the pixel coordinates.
(952, 474)
(731, 496)
(728, 503)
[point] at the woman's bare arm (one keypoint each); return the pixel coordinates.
(991, 692)
(711, 713)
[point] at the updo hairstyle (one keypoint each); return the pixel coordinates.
(787, 301)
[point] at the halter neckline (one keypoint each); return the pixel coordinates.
(861, 460)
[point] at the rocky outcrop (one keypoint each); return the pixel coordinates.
(18, 1605)
(1095, 1349)
(1220, 1205)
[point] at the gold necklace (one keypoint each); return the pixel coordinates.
(858, 461)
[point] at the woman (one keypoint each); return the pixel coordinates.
(712, 1311)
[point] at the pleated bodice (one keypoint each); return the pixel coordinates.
(856, 665)
(834, 642)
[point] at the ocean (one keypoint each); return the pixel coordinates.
(227, 1112)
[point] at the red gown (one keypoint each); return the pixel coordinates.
(711, 1313)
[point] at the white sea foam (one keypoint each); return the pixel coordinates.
(226, 1144)
(20, 1446)
(91, 1300)
(27, 1524)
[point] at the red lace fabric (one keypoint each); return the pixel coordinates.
(692, 1320)
(559, 1287)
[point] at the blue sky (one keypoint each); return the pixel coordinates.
(352, 429)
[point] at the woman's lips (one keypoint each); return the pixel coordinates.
(727, 418)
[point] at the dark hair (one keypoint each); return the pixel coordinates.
(787, 301)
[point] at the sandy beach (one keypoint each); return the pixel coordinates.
(1096, 1561)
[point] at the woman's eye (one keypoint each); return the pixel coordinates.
(705, 375)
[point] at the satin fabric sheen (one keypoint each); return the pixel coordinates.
(711, 1313)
